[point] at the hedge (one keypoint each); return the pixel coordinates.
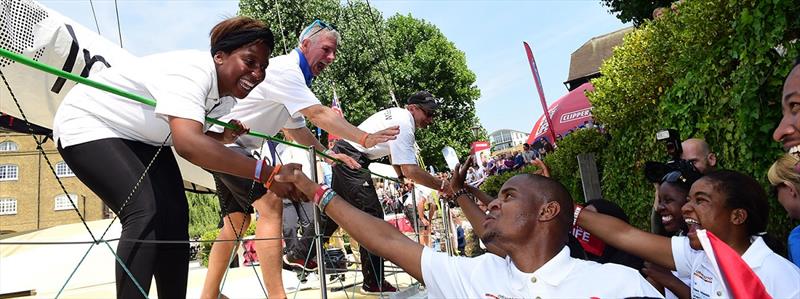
(711, 70)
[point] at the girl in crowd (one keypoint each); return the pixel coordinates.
(673, 191)
(728, 204)
(121, 150)
(785, 178)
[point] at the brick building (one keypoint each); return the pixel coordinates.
(30, 196)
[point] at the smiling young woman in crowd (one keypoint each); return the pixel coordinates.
(733, 207)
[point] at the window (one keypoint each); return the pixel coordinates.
(62, 170)
(8, 206)
(8, 146)
(9, 172)
(63, 201)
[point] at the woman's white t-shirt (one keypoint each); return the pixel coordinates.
(780, 277)
(183, 84)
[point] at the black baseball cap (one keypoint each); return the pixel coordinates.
(424, 100)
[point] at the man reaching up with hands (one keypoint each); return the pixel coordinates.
(530, 221)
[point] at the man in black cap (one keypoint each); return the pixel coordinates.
(356, 186)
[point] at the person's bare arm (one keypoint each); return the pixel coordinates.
(399, 172)
(545, 171)
(623, 236)
(420, 176)
(325, 118)
(665, 278)
(373, 233)
(421, 211)
(303, 136)
(229, 135)
(480, 195)
(474, 214)
(198, 148)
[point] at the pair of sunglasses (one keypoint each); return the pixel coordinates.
(321, 26)
(432, 99)
(674, 177)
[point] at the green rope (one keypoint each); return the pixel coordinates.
(70, 76)
(74, 270)
(125, 268)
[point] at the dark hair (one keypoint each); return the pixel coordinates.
(609, 208)
(743, 192)
(612, 254)
(246, 30)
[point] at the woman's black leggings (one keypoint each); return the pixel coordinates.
(157, 210)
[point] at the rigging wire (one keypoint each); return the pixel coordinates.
(391, 86)
(382, 47)
(119, 27)
(94, 15)
(44, 154)
(280, 23)
(389, 81)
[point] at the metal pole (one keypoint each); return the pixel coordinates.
(414, 209)
(317, 229)
(448, 246)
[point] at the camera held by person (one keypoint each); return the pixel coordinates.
(655, 171)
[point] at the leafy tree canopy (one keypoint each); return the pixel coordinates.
(711, 69)
(378, 55)
(636, 11)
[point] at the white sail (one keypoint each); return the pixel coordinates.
(33, 30)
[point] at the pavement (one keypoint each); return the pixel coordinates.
(47, 268)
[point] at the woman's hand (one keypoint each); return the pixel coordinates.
(230, 135)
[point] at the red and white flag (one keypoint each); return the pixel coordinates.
(740, 280)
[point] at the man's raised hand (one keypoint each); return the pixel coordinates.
(381, 136)
(460, 174)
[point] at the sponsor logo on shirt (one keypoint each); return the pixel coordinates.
(496, 296)
(701, 285)
(702, 276)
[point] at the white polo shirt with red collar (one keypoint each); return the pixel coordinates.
(780, 277)
(491, 276)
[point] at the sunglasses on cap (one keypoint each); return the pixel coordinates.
(428, 114)
(322, 26)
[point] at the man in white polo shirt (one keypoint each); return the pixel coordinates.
(530, 220)
(357, 187)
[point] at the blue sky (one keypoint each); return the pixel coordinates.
(489, 32)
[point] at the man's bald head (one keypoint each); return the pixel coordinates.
(698, 152)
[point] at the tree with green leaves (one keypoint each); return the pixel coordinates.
(636, 11)
(203, 213)
(712, 69)
(376, 55)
